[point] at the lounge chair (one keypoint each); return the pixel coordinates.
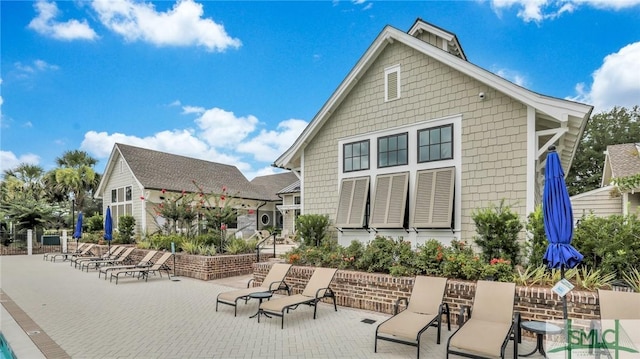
(86, 252)
(157, 266)
(51, 256)
(620, 314)
(121, 259)
(113, 254)
(274, 281)
(490, 325)
(144, 262)
(424, 309)
(314, 291)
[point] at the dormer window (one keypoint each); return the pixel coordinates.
(392, 83)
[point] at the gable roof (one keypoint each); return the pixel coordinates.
(161, 170)
(272, 184)
(622, 160)
(292, 188)
(571, 115)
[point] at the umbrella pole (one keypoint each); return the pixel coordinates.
(564, 297)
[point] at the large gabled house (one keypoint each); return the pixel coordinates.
(137, 179)
(621, 161)
(416, 138)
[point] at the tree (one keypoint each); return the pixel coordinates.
(620, 125)
(24, 180)
(75, 175)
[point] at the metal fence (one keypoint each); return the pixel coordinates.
(16, 243)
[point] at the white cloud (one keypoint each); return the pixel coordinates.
(8, 160)
(220, 137)
(539, 10)
(192, 109)
(512, 76)
(26, 70)
(183, 25)
(616, 82)
(45, 24)
(268, 145)
(223, 129)
(180, 142)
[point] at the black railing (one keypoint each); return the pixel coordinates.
(262, 244)
(16, 244)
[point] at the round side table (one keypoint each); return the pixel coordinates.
(260, 296)
(540, 329)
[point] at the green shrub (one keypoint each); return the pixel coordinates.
(609, 244)
(498, 228)
(498, 269)
(537, 243)
(351, 255)
(382, 254)
(313, 228)
(430, 257)
(95, 223)
(240, 246)
(126, 228)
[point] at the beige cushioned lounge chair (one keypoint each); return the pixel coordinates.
(624, 307)
(158, 266)
(489, 325)
(121, 259)
(424, 309)
(144, 262)
(316, 289)
(274, 281)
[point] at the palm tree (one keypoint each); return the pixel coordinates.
(24, 180)
(75, 175)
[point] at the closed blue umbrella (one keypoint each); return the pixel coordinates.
(558, 219)
(77, 233)
(108, 227)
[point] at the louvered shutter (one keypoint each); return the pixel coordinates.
(389, 202)
(434, 198)
(392, 85)
(352, 202)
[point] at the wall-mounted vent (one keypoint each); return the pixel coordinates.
(392, 83)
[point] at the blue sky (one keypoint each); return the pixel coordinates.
(236, 82)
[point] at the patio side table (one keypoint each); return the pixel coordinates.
(540, 329)
(260, 296)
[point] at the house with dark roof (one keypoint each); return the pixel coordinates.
(136, 179)
(621, 162)
(416, 138)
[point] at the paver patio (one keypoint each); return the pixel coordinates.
(92, 318)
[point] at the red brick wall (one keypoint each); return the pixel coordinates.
(379, 292)
(201, 267)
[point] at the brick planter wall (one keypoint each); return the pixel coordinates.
(200, 267)
(379, 292)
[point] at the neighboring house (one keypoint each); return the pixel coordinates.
(290, 207)
(137, 179)
(416, 138)
(271, 185)
(621, 161)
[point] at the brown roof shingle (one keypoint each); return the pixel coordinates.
(161, 170)
(624, 159)
(272, 184)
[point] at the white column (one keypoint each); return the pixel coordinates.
(64, 240)
(29, 241)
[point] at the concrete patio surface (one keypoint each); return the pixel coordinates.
(89, 317)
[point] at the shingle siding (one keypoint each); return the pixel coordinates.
(494, 131)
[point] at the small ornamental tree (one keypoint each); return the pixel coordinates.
(498, 228)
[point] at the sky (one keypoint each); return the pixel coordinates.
(236, 82)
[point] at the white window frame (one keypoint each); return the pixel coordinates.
(412, 167)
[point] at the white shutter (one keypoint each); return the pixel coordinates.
(352, 202)
(389, 201)
(434, 198)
